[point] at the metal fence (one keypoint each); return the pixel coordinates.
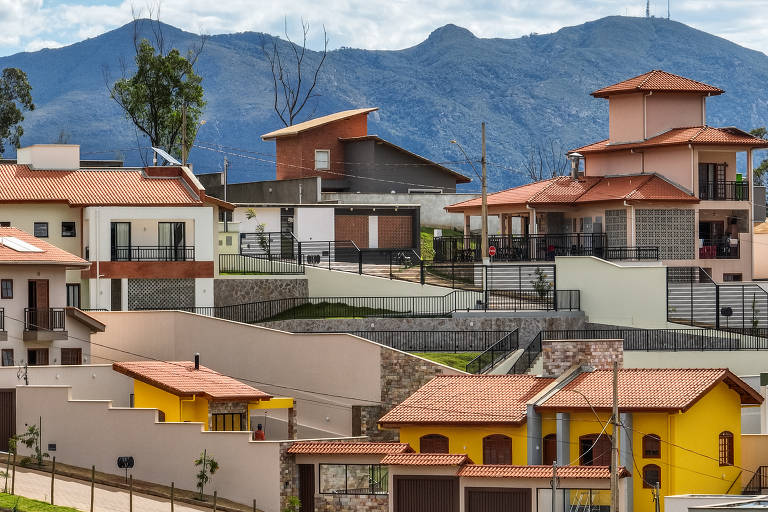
(528, 357)
(672, 340)
(494, 354)
(430, 341)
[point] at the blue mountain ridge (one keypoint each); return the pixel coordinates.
(529, 89)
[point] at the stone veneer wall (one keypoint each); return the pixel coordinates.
(559, 355)
(352, 503)
(241, 291)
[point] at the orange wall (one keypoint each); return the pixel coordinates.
(625, 117)
(664, 111)
(673, 163)
(615, 162)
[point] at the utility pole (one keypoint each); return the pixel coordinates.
(554, 486)
(667, 9)
(484, 234)
(615, 441)
(656, 497)
(648, 8)
(226, 166)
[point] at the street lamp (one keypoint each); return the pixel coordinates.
(484, 230)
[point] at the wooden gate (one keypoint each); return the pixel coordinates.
(7, 417)
(307, 487)
(426, 493)
(497, 499)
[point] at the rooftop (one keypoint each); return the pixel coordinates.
(426, 459)
(180, 378)
(17, 246)
(657, 80)
(296, 129)
(538, 472)
(347, 448)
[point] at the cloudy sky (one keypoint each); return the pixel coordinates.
(28, 25)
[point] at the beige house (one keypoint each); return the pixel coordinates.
(663, 186)
(36, 326)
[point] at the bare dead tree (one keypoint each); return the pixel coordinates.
(292, 90)
(546, 159)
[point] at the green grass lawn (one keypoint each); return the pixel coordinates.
(27, 505)
(456, 360)
(328, 310)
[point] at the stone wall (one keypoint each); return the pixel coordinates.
(289, 475)
(352, 503)
(242, 291)
(559, 355)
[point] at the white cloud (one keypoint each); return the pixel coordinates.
(374, 24)
(39, 44)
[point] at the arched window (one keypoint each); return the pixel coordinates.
(726, 448)
(651, 446)
(160, 416)
(595, 450)
(550, 449)
(497, 449)
(433, 443)
(651, 476)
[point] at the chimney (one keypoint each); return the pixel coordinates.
(50, 157)
(574, 158)
(197, 360)
(560, 355)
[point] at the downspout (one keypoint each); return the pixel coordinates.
(181, 405)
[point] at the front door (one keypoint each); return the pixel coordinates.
(307, 487)
(7, 417)
(38, 304)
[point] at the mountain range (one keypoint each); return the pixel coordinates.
(529, 90)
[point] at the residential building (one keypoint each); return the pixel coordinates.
(148, 232)
(185, 391)
(36, 326)
(663, 185)
(338, 148)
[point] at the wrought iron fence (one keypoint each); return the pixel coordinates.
(44, 319)
(672, 340)
(528, 357)
(152, 253)
(429, 341)
(494, 354)
(724, 190)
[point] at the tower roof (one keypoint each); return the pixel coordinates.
(657, 80)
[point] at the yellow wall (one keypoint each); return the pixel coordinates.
(176, 410)
(469, 439)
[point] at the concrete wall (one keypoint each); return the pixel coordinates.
(432, 207)
(633, 296)
(666, 110)
(314, 224)
(88, 382)
(625, 117)
(270, 217)
(302, 190)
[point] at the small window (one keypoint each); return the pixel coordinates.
(6, 289)
(433, 443)
(5, 224)
(68, 229)
(595, 450)
(732, 278)
(37, 356)
(651, 446)
(497, 449)
(229, 422)
(651, 476)
(41, 229)
(225, 215)
(7, 355)
(73, 295)
(71, 356)
(726, 448)
(353, 479)
(323, 159)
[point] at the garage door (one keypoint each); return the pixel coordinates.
(494, 499)
(426, 494)
(7, 417)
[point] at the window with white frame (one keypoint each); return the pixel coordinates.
(322, 159)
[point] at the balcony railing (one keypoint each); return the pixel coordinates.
(719, 250)
(153, 253)
(2, 319)
(50, 319)
(724, 191)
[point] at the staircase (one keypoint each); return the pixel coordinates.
(759, 482)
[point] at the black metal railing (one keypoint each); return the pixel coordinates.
(494, 354)
(719, 249)
(2, 319)
(153, 253)
(529, 355)
(49, 319)
(724, 191)
(429, 341)
(758, 482)
(643, 253)
(242, 264)
(670, 340)
(270, 245)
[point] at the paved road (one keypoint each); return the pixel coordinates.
(77, 494)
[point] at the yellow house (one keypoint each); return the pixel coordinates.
(185, 391)
(680, 428)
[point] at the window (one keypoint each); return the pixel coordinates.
(651, 446)
(497, 449)
(651, 476)
(731, 278)
(68, 229)
(225, 215)
(595, 450)
(71, 356)
(73, 295)
(726, 448)
(322, 159)
(433, 443)
(5, 224)
(7, 356)
(6, 289)
(550, 449)
(37, 356)
(171, 240)
(353, 479)
(41, 229)
(160, 416)
(229, 422)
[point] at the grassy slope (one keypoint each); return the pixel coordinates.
(456, 360)
(28, 505)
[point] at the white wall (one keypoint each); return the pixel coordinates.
(373, 232)
(203, 292)
(58, 157)
(88, 382)
(314, 224)
(268, 216)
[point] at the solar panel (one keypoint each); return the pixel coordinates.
(18, 245)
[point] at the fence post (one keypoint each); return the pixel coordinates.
(360, 262)
(173, 489)
(329, 255)
(298, 253)
(422, 271)
(93, 483)
(390, 264)
(717, 307)
(53, 475)
(254, 504)
(554, 287)
(214, 500)
(13, 474)
(130, 493)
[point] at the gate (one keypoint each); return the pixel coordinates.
(7, 417)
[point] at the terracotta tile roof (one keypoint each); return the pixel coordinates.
(566, 191)
(50, 254)
(668, 389)
(181, 379)
(657, 80)
(347, 448)
(468, 399)
(543, 472)
(426, 459)
(95, 187)
(697, 135)
(314, 123)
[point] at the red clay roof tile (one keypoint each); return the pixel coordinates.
(426, 459)
(644, 187)
(347, 448)
(50, 254)
(536, 472)
(657, 80)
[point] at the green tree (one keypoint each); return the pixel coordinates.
(164, 97)
(15, 96)
(759, 172)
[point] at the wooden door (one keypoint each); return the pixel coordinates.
(425, 493)
(550, 449)
(7, 417)
(497, 499)
(307, 487)
(38, 302)
(497, 449)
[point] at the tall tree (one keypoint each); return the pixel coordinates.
(759, 172)
(293, 84)
(15, 96)
(164, 96)
(546, 159)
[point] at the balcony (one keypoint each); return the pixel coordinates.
(719, 249)
(45, 324)
(152, 253)
(724, 191)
